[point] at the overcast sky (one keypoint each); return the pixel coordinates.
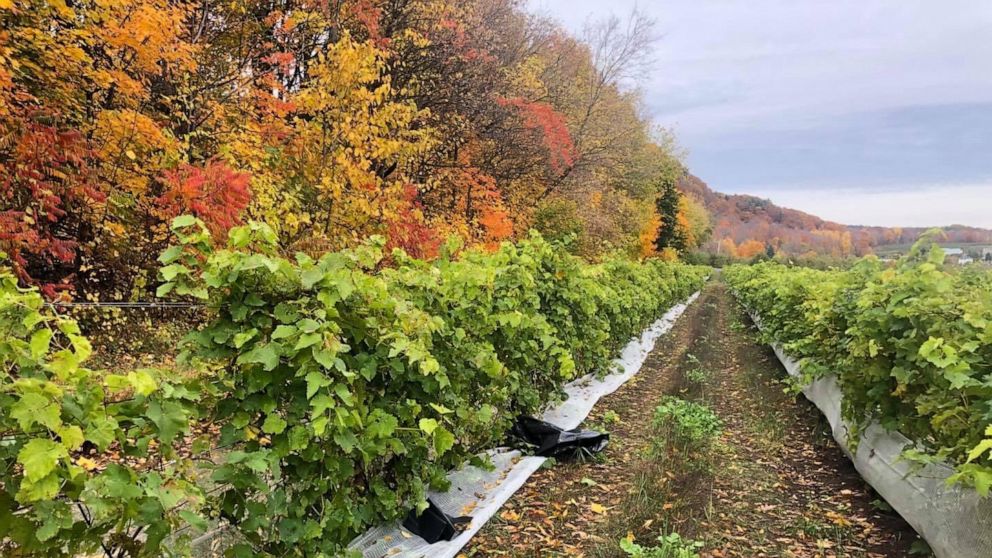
(875, 112)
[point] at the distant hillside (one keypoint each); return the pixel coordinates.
(744, 225)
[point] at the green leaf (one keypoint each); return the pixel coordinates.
(142, 382)
(267, 355)
(311, 277)
(274, 424)
(299, 438)
(102, 431)
(183, 221)
(929, 346)
(315, 381)
(34, 408)
(256, 460)
(321, 403)
(172, 271)
(342, 391)
(39, 457)
(169, 417)
(428, 425)
(324, 357)
(441, 409)
(239, 237)
(164, 289)
(443, 441)
(116, 481)
(346, 440)
(284, 331)
(977, 451)
(72, 437)
(39, 343)
(307, 340)
(54, 516)
(170, 254)
(383, 426)
(43, 489)
(983, 482)
(194, 520)
(243, 337)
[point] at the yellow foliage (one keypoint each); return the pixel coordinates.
(327, 178)
(694, 219)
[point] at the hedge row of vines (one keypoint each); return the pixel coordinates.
(910, 345)
(320, 397)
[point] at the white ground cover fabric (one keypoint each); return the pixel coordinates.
(480, 493)
(954, 520)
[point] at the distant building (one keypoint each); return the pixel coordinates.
(954, 255)
(965, 260)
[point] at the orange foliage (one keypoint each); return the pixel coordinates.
(739, 218)
(497, 225)
(648, 235)
(750, 248)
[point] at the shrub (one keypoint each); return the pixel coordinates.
(689, 424)
(88, 460)
(910, 345)
(669, 546)
(348, 389)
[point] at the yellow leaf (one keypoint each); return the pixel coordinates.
(597, 508)
(509, 515)
(87, 463)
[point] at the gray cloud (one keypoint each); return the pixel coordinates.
(778, 95)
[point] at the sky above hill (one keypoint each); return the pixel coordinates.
(876, 113)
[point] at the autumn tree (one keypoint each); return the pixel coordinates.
(331, 121)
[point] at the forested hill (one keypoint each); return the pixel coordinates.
(745, 225)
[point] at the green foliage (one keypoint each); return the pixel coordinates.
(911, 346)
(697, 375)
(59, 423)
(558, 219)
(669, 546)
(348, 389)
(611, 417)
(688, 423)
(671, 234)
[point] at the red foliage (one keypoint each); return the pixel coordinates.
(215, 193)
(45, 180)
(543, 118)
(369, 16)
(408, 229)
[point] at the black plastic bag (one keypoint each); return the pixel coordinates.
(433, 524)
(552, 441)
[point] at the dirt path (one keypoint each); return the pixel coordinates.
(775, 484)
